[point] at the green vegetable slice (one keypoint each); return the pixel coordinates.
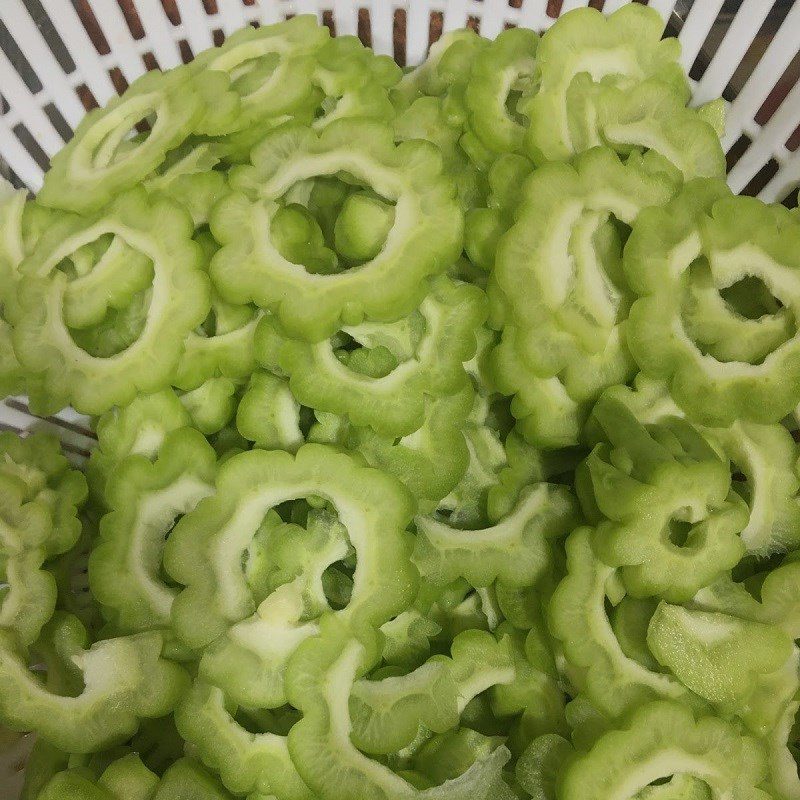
(425, 354)
(388, 713)
(534, 693)
(100, 161)
(178, 302)
(767, 456)
(538, 768)
(466, 505)
(585, 55)
(661, 740)
(188, 177)
(501, 77)
(782, 766)
(124, 679)
(670, 520)
(292, 568)
(596, 663)
(320, 680)
(407, 639)
(211, 405)
(763, 460)
(514, 551)
(40, 497)
(258, 621)
(742, 253)
(246, 762)
(221, 353)
(38, 481)
(558, 291)
(12, 374)
(355, 82)
(434, 76)
(269, 414)
(260, 79)
(486, 224)
(144, 501)
(745, 668)
(424, 240)
(651, 116)
(138, 428)
(430, 461)
(128, 779)
(778, 593)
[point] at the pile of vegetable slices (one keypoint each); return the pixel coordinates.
(444, 430)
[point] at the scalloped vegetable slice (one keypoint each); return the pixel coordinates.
(646, 116)
(744, 668)
(430, 461)
(525, 465)
(256, 618)
(100, 160)
(407, 638)
(259, 75)
(514, 551)
(434, 76)
(224, 351)
(595, 661)
(128, 779)
(355, 81)
(435, 120)
(486, 224)
(124, 679)
(269, 415)
(189, 177)
(533, 694)
(28, 594)
(552, 412)
(290, 567)
(423, 241)
(669, 518)
(661, 740)
(502, 75)
(178, 302)
(39, 502)
(763, 462)
(565, 248)
(144, 501)
(744, 251)
(12, 374)
(246, 761)
(538, 767)
(387, 714)
(558, 291)
(466, 505)
(212, 405)
(38, 480)
(428, 351)
(294, 71)
(249, 662)
(777, 589)
(621, 51)
(138, 428)
(767, 456)
(783, 775)
(13, 205)
(320, 680)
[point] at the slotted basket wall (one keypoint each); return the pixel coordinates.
(59, 58)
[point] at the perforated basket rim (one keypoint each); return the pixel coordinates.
(51, 67)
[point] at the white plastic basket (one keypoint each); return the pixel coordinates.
(58, 57)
